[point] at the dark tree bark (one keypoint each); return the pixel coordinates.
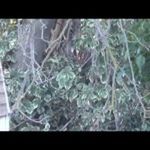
(33, 38)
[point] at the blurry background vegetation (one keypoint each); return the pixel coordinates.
(99, 83)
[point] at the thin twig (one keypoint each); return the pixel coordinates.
(138, 40)
(17, 125)
(35, 121)
(113, 90)
(54, 43)
(64, 127)
(131, 67)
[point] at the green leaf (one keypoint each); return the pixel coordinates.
(65, 78)
(30, 128)
(84, 96)
(47, 127)
(140, 61)
(121, 96)
(102, 93)
(147, 99)
(47, 98)
(29, 106)
(119, 78)
(80, 86)
(87, 91)
(40, 110)
(72, 94)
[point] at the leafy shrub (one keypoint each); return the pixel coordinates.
(91, 96)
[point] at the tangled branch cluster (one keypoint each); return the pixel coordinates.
(97, 84)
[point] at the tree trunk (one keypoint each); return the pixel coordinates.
(30, 43)
(34, 36)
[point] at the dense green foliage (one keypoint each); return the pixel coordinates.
(95, 95)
